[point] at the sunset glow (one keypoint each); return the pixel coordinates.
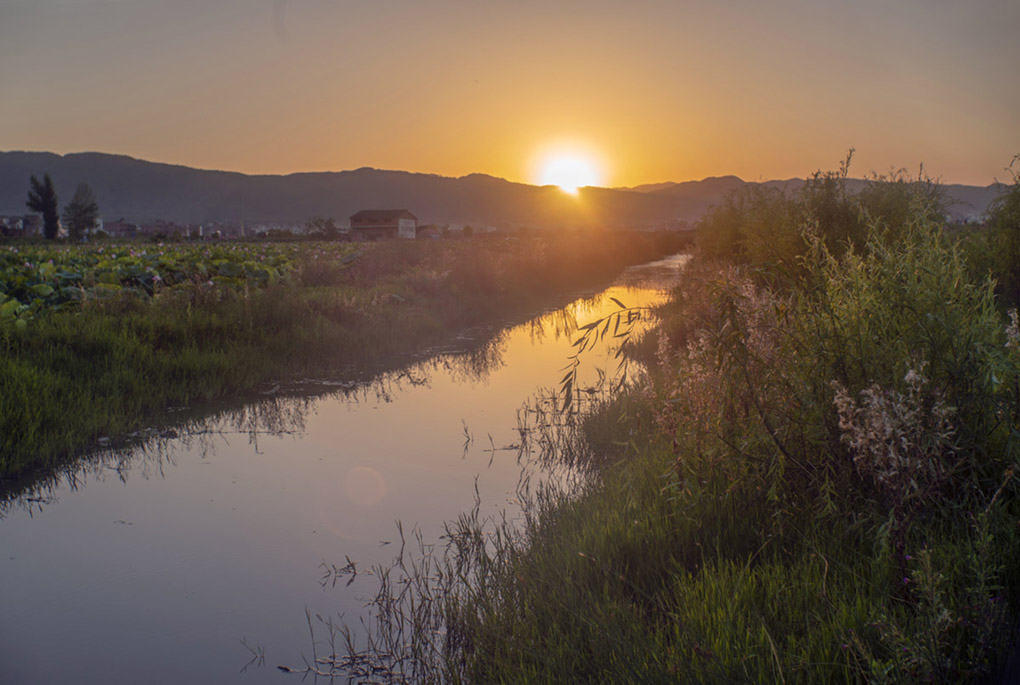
(569, 173)
(676, 91)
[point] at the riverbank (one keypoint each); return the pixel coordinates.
(274, 498)
(98, 367)
(814, 482)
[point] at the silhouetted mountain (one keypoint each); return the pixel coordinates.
(713, 185)
(144, 192)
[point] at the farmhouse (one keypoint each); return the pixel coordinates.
(379, 224)
(29, 224)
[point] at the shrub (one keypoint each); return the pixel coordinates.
(773, 230)
(1004, 223)
(891, 201)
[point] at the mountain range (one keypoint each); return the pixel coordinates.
(145, 192)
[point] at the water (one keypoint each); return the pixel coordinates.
(152, 564)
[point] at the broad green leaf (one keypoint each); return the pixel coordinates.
(9, 309)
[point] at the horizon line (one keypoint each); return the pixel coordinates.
(622, 188)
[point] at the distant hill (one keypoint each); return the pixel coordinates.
(144, 192)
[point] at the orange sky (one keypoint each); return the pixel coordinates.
(655, 90)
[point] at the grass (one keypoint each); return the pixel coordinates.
(814, 482)
(112, 365)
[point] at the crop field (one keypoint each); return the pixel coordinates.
(34, 279)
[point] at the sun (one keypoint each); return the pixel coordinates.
(569, 171)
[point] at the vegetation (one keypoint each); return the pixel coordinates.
(815, 482)
(1004, 224)
(81, 214)
(97, 341)
(42, 198)
(37, 279)
(773, 230)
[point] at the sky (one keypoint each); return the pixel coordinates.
(642, 91)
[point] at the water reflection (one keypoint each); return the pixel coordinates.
(158, 555)
(282, 410)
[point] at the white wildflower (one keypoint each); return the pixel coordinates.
(903, 442)
(1013, 331)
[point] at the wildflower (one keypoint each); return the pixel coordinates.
(1013, 331)
(904, 442)
(913, 377)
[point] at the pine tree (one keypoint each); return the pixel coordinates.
(82, 214)
(42, 198)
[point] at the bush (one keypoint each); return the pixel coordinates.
(1004, 223)
(868, 417)
(772, 230)
(891, 201)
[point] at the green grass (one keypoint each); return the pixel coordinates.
(816, 482)
(638, 580)
(69, 376)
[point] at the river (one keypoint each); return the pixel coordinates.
(154, 563)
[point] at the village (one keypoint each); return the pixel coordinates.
(364, 226)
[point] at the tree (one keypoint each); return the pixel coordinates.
(82, 214)
(322, 227)
(42, 198)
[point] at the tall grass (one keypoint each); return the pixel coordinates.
(1004, 227)
(815, 482)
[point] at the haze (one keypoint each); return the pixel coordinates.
(653, 91)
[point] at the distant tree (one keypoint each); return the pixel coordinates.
(42, 198)
(82, 214)
(468, 232)
(323, 227)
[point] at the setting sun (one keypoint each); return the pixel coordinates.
(569, 172)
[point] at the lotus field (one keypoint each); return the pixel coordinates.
(34, 279)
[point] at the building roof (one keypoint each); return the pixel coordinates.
(382, 215)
